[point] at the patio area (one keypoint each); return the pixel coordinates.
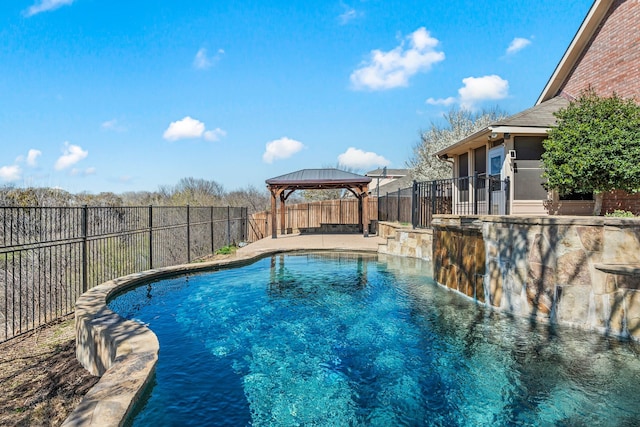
(299, 242)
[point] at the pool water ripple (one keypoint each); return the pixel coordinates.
(350, 340)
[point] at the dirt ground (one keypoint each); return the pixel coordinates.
(41, 382)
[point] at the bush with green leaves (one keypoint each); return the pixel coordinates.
(619, 213)
(595, 147)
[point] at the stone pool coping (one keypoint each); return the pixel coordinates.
(125, 353)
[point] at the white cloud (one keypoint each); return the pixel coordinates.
(388, 70)
(474, 91)
(46, 6)
(517, 45)
(478, 89)
(214, 135)
(113, 125)
(10, 173)
(32, 157)
(441, 101)
(82, 172)
(191, 128)
(72, 154)
(359, 159)
(348, 15)
(183, 129)
(281, 149)
(202, 61)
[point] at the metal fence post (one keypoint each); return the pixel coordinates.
(228, 225)
(434, 189)
(386, 207)
(213, 247)
(150, 236)
(245, 215)
(475, 193)
(490, 196)
(507, 189)
(188, 234)
(414, 204)
(85, 247)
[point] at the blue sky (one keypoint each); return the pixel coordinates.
(120, 96)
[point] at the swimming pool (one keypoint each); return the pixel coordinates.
(347, 339)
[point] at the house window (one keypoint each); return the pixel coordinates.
(480, 168)
(463, 177)
(527, 168)
(480, 160)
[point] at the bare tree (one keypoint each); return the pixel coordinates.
(331, 194)
(253, 198)
(424, 165)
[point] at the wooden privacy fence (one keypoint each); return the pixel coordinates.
(310, 215)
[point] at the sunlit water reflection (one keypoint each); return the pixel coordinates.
(349, 340)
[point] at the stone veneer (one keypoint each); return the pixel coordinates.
(577, 271)
(405, 241)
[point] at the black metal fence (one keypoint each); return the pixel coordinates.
(416, 205)
(50, 256)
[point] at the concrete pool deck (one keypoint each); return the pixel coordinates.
(125, 352)
(298, 242)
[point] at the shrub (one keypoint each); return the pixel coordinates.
(619, 213)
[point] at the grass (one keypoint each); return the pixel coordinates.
(227, 250)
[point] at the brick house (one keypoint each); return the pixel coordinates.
(604, 55)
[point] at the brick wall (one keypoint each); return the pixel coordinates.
(611, 62)
(621, 200)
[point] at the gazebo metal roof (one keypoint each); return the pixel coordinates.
(318, 179)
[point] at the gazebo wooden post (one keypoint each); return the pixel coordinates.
(365, 211)
(274, 212)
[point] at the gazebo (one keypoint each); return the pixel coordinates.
(317, 179)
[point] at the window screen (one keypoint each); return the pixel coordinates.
(480, 160)
(527, 168)
(463, 171)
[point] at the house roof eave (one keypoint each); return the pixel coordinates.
(472, 139)
(519, 130)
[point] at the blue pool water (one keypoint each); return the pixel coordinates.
(353, 340)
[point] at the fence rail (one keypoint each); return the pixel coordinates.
(50, 256)
(416, 205)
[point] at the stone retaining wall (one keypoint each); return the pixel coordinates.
(565, 270)
(405, 241)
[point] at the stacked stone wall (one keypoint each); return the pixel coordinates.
(406, 242)
(576, 271)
